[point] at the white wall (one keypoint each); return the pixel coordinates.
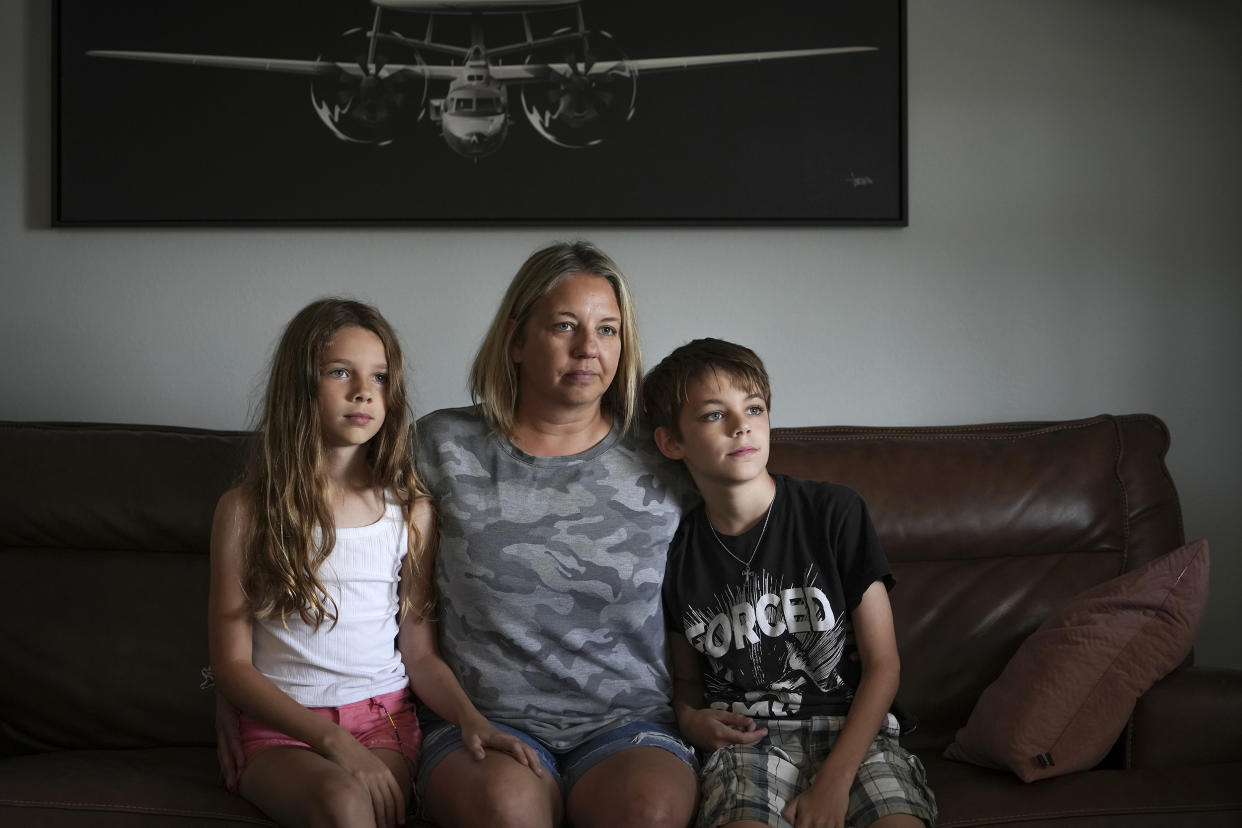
(1073, 248)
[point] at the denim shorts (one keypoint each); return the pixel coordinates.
(756, 782)
(566, 766)
(388, 721)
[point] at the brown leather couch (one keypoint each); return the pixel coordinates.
(104, 533)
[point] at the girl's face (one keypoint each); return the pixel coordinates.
(571, 345)
(353, 387)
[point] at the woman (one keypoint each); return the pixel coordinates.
(555, 520)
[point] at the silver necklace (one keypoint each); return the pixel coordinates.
(746, 571)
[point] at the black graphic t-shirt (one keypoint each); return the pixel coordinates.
(778, 642)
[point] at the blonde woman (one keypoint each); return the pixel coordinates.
(556, 514)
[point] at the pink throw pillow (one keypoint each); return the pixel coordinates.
(1065, 696)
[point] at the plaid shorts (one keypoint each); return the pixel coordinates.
(756, 782)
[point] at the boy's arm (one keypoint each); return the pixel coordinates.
(433, 681)
(825, 802)
(704, 727)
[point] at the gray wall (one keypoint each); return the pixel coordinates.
(1073, 248)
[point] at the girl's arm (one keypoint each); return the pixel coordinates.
(430, 676)
(230, 644)
(704, 727)
(825, 802)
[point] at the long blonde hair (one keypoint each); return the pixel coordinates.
(292, 530)
(494, 376)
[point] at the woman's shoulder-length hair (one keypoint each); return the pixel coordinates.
(493, 376)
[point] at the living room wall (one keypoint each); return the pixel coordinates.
(1073, 248)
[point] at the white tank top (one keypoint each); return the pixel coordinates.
(357, 657)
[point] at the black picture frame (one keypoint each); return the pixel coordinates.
(817, 140)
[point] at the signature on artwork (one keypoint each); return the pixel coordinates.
(859, 180)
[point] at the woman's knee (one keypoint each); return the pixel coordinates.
(645, 786)
(476, 795)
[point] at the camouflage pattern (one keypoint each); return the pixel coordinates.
(549, 575)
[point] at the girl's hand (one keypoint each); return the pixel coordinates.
(819, 806)
(228, 743)
(369, 771)
(708, 729)
(477, 733)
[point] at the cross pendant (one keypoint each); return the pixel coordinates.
(745, 572)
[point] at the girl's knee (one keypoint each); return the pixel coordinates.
(342, 801)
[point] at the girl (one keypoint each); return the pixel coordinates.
(318, 612)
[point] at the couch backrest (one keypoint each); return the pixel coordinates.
(103, 548)
(105, 529)
(988, 528)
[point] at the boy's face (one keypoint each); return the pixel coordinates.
(724, 431)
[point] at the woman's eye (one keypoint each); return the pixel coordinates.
(563, 326)
(608, 330)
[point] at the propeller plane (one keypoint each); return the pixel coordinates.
(575, 100)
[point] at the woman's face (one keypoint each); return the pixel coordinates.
(568, 354)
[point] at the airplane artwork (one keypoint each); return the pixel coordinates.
(575, 85)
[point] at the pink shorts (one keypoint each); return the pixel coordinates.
(388, 721)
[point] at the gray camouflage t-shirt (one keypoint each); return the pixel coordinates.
(549, 575)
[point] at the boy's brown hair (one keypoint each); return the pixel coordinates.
(665, 386)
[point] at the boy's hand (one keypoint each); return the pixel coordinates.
(822, 805)
(477, 733)
(708, 729)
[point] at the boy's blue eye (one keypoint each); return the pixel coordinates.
(338, 372)
(755, 410)
(712, 416)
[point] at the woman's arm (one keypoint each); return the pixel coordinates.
(430, 676)
(825, 802)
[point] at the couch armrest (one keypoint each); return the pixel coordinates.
(1190, 717)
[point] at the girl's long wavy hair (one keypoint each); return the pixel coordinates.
(286, 484)
(494, 376)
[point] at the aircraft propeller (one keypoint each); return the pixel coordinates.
(369, 106)
(581, 105)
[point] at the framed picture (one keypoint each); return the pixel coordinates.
(480, 112)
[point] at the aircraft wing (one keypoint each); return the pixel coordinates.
(288, 67)
(700, 61)
(519, 73)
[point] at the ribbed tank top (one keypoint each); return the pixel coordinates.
(357, 657)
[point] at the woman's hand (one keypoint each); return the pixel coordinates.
(369, 770)
(477, 734)
(228, 743)
(708, 729)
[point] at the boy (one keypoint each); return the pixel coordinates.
(776, 596)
